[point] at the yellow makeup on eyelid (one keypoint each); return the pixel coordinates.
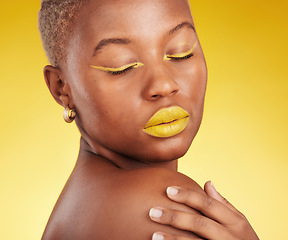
(109, 69)
(180, 55)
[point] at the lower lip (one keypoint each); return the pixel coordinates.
(168, 129)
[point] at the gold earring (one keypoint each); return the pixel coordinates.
(69, 115)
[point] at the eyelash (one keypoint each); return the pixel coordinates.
(181, 58)
(118, 71)
(121, 71)
(131, 67)
(178, 57)
(167, 57)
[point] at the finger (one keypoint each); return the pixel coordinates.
(164, 236)
(205, 204)
(211, 191)
(196, 223)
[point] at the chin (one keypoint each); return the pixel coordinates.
(175, 147)
(170, 155)
(164, 150)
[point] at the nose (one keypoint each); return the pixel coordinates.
(160, 84)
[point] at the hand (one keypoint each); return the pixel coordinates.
(219, 219)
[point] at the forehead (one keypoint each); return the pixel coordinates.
(135, 18)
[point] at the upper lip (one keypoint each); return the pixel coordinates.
(167, 115)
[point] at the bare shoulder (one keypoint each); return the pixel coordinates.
(103, 202)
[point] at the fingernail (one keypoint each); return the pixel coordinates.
(155, 213)
(172, 191)
(158, 236)
(213, 186)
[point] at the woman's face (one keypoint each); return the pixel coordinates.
(153, 40)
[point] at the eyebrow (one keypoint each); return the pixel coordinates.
(105, 42)
(180, 26)
(125, 41)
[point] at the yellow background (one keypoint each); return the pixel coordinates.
(241, 146)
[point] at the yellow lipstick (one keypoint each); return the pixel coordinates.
(167, 122)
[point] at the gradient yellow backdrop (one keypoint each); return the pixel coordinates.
(241, 146)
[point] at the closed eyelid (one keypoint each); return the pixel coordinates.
(109, 69)
(180, 55)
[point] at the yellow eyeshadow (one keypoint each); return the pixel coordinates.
(180, 55)
(108, 69)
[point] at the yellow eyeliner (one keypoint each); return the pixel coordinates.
(119, 69)
(180, 55)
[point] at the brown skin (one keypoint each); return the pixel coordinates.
(121, 171)
(112, 110)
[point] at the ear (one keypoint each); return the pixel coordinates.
(58, 88)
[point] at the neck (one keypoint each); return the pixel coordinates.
(124, 162)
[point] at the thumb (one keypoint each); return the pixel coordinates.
(211, 191)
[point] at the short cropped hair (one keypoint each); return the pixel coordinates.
(56, 21)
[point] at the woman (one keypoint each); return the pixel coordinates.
(133, 76)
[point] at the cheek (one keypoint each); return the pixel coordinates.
(105, 105)
(193, 80)
(200, 80)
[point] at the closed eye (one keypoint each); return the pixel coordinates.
(180, 56)
(120, 70)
